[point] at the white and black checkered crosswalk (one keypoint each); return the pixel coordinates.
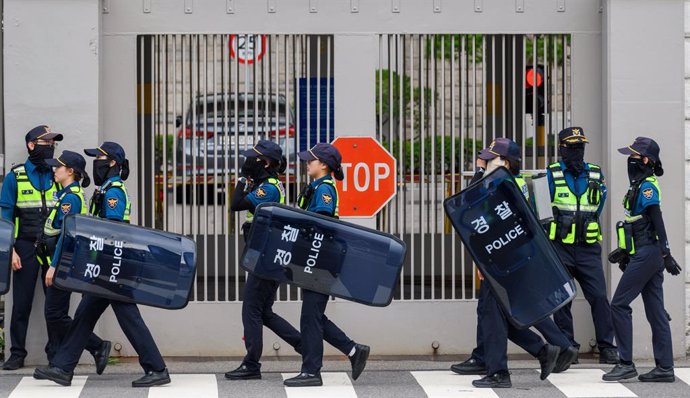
(575, 383)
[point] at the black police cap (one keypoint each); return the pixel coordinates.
(110, 149)
(265, 148)
(503, 147)
(643, 146)
(572, 135)
(327, 154)
(42, 133)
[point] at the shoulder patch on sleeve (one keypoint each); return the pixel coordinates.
(648, 193)
(112, 202)
(66, 207)
(260, 193)
(327, 198)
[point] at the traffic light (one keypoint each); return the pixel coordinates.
(534, 78)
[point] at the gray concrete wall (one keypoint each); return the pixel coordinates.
(51, 60)
(637, 105)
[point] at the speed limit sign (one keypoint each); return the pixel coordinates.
(247, 48)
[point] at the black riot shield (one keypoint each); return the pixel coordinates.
(510, 248)
(6, 245)
(127, 263)
(323, 254)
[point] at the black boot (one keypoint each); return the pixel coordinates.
(470, 367)
(101, 356)
(547, 359)
(359, 360)
(304, 380)
(243, 373)
(658, 375)
(620, 372)
(608, 356)
(151, 379)
(565, 359)
(13, 363)
(496, 380)
(55, 375)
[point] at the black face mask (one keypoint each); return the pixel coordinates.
(102, 171)
(638, 171)
(254, 168)
(573, 157)
(39, 155)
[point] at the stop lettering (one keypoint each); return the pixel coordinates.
(370, 178)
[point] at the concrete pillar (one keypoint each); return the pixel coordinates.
(643, 96)
(51, 77)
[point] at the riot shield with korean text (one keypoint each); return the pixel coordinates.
(508, 244)
(126, 263)
(323, 254)
(6, 245)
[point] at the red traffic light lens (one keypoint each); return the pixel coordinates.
(531, 78)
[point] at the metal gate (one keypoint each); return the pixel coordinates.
(440, 98)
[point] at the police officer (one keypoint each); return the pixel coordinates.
(578, 194)
(28, 194)
(259, 184)
(70, 169)
(493, 327)
(321, 196)
(642, 237)
(110, 201)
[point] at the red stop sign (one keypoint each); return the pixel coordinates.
(370, 176)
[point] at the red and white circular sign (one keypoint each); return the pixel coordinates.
(247, 48)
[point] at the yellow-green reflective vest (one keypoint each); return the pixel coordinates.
(635, 223)
(522, 184)
(49, 229)
(94, 208)
(580, 210)
(276, 183)
(32, 206)
(304, 200)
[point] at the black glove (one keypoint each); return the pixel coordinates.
(671, 265)
(623, 264)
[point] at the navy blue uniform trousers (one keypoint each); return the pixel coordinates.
(58, 322)
(316, 328)
(23, 289)
(496, 330)
(584, 263)
(644, 275)
(89, 311)
(257, 312)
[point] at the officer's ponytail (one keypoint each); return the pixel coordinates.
(86, 181)
(282, 165)
(124, 170)
(658, 169)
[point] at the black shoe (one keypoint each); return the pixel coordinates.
(13, 363)
(496, 380)
(608, 356)
(101, 356)
(469, 367)
(243, 373)
(358, 360)
(547, 359)
(565, 359)
(658, 375)
(55, 375)
(304, 380)
(151, 379)
(620, 372)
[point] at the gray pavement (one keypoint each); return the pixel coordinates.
(384, 377)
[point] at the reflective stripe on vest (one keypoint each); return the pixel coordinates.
(569, 204)
(276, 183)
(31, 206)
(49, 229)
(101, 191)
